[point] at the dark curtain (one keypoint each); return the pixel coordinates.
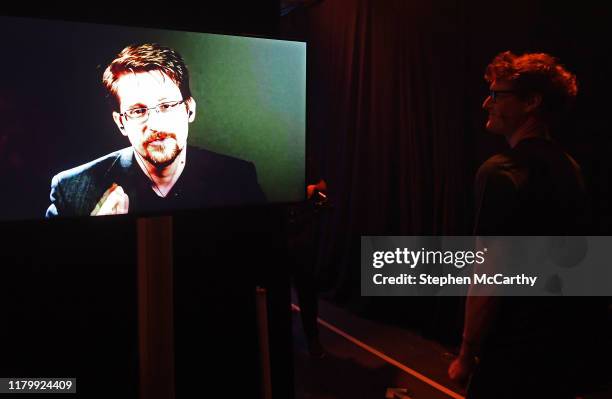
(387, 124)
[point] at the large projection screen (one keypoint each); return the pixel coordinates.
(65, 151)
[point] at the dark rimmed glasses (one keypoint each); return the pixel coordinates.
(494, 93)
(141, 114)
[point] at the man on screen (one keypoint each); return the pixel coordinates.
(148, 87)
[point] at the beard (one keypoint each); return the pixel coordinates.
(161, 149)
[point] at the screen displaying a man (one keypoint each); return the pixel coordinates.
(148, 88)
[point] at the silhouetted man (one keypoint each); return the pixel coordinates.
(534, 188)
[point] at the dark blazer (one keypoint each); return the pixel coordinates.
(209, 179)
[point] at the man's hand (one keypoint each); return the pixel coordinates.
(461, 369)
(114, 202)
(321, 187)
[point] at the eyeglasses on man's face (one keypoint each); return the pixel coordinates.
(494, 94)
(141, 114)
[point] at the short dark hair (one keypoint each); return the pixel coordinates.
(145, 58)
(536, 73)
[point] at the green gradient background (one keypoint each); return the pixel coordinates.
(251, 102)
